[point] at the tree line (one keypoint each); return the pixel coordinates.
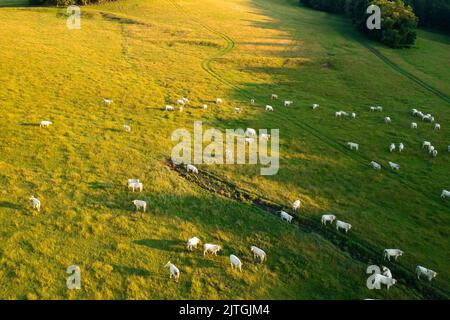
(399, 17)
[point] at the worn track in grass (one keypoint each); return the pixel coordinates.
(357, 248)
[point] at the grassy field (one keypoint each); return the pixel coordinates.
(145, 54)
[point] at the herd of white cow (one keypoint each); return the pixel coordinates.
(192, 243)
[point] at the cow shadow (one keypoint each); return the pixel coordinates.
(29, 124)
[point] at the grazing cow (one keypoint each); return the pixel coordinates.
(45, 124)
(127, 128)
(379, 108)
(387, 119)
(391, 147)
(372, 109)
(108, 102)
(173, 271)
(191, 168)
(249, 132)
(257, 252)
(130, 181)
(381, 279)
(269, 108)
(394, 166)
(437, 126)
(428, 273)
(192, 243)
(219, 100)
(36, 203)
(140, 204)
(413, 125)
(180, 108)
(136, 185)
(252, 101)
(426, 144)
(419, 114)
(285, 216)
(353, 145)
(235, 262)
(401, 147)
(274, 96)
(414, 112)
(181, 102)
(353, 115)
(338, 114)
(169, 108)
(375, 165)
(430, 149)
(186, 100)
(388, 253)
(213, 248)
(288, 103)
(238, 110)
(434, 153)
(343, 225)
(315, 106)
(328, 218)
(386, 272)
(345, 114)
(296, 205)
(205, 106)
(445, 194)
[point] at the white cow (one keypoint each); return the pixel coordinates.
(391, 147)
(426, 144)
(250, 132)
(140, 204)
(136, 186)
(394, 166)
(338, 114)
(219, 100)
(127, 128)
(186, 100)
(235, 262)
(386, 272)
(428, 273)
(205, 106)
(387, 119)
(379, 108)
(430, 149)
(315, 106)
(257, 252)
(274, 96)
(108, 102)
(181, 102)
(269, 108)
(180, 108)
(213, 248)
(353, 145)
(36, 203)
(252, 101)
(285, 216)
(434, 153)
(343, 225)
(328, 218)
(445, 194)
(191, 168)
(296, 205)
(413, 125)
(419, 114)
(353, 115)
(372, 109)
(437, 126)
(375, 165)
(192, 243)
(173, 271)
(414, 112)
(45, 124)
(238, 110)
(401, 147)
(388, 253)
(169, 108)
(381, 279)
(288, 103)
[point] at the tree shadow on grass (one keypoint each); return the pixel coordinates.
(131, 271)
(172, 245)
(29, 124)
(10, 205)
